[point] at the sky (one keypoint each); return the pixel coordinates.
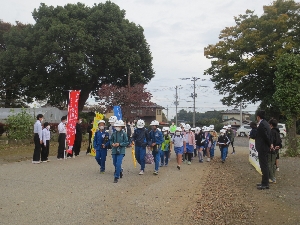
(177, 32)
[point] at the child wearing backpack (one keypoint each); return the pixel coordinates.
(165, 148)
(274, 151)
(140, 137)
(179, 142)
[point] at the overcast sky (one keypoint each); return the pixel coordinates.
(177, 31)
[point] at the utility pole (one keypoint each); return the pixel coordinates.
(194, 96)
(167, 114)
(176, 102)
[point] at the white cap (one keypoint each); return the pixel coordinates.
(113, 119)
(154, 123)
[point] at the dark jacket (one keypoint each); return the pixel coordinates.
(262, 140)
(200, 139)
(253, 133)
(89, 131)
(275, 138)
(140, 137)
(128, 129)
(78, 134)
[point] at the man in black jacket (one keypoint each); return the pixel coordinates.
(263, 145)
(78, 137)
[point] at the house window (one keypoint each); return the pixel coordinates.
(158, 111)
(139, 112)
(225, 117)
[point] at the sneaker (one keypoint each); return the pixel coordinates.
(116, 180)
(121, 173)
(161, 165)
(232, 153)
(178, 167)
(48, 160)
(166, 164)
(277, 169)
(272, 181)
(223, 161)
(155, 172)
(36, 162)
(44, 161)
(69, 157)
(59, 159)
(208, 160)
(141, 172)
(102, 172)
(189, 162)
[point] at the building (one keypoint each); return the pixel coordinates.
(232, 117)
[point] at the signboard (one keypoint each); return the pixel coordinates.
(253, 155)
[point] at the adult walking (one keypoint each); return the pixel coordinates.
(89, 131)
(263, 145)
(38, 139)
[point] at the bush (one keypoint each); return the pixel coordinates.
(20, 125)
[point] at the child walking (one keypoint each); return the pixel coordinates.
(179, 144)
(165, 148)
(190, 143)
(200, 139)
(46, 142)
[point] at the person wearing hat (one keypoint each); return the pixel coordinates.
(179, 143)
(223, 142)
(207, 143)
(101, 142)
(190, 143)
(119, 141)
(140, 138)
(263, 146)
(200, 139)
(89, 131)
(230, 134)
(62, 138)
(155, 141)
(38, 139)
(46, 142)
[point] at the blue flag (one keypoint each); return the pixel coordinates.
(118, 112)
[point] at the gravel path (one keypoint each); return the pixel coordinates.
(74, 192)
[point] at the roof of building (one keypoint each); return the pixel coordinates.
(234, 111)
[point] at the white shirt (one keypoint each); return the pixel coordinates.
(46, 135)
(37, 129)
(61, 128)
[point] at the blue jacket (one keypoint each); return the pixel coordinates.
(156, 137)
(121, 138)
(101, 137)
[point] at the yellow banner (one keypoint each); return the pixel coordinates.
(97, 118)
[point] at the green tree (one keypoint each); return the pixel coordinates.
(287, 95)
(244, 60)
(20, 125)
(80, 47)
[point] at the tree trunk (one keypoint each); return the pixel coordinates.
(84, 95)
(292, 147)
(8, 99)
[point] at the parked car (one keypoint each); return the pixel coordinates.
(243, 130)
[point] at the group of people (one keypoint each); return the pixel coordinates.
(267, 143)
(42, 140)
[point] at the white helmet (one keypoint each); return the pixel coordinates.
(154, 123)
(101, 121)
(119, 123)
(225, 127)
(229, 126)
(113, 119)
(197, 130)
(140, 123)
(222, 131)
(178, 128)
(182, 124)
(164, 129)
(207, 129)
(187, 127)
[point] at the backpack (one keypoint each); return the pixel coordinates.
(140, 137)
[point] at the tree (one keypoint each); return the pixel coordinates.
(130, 99)
(12, 59)
(287, 95)
(20, 126)
(80, 47)
(244, 60)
